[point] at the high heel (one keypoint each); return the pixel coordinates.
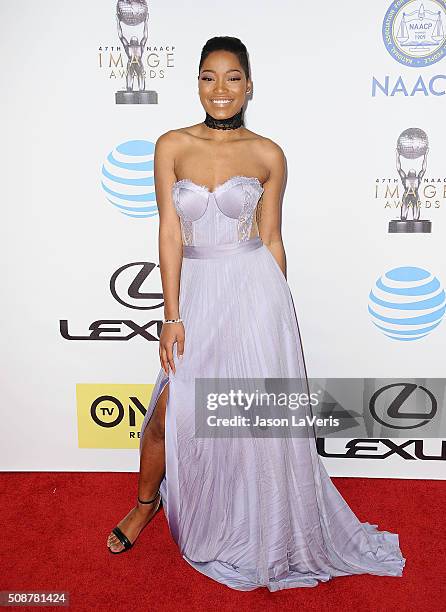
(122, 537)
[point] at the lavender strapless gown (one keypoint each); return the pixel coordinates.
(249, 512)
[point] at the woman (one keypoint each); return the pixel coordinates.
(249, 510)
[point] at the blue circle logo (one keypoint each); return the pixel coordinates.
(414, 31)
(407, 303)
(127, 179)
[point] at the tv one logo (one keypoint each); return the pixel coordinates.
(111, 415)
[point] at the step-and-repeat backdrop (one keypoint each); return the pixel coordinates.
(353, 93)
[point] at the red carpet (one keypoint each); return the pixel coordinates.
(55, 526)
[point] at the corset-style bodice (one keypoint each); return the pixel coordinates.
(221, 216)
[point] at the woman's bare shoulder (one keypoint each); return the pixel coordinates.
(267, 146)
(168, 139)
(177, 136)
(270, 153)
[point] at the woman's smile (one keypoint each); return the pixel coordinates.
(221, 101)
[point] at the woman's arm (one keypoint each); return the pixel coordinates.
(270, 216)
(170, 247)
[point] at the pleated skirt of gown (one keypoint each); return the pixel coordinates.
(253, 512)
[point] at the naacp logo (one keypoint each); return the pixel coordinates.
(414, 31)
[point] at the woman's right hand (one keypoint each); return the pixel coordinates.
(171, 333)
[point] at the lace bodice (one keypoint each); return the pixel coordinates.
(224, 215)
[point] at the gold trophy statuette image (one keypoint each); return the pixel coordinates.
(134, 13)
(412, 144)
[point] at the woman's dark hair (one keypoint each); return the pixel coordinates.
(227, 43)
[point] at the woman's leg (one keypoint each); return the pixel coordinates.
(151, 472)
(152, 464)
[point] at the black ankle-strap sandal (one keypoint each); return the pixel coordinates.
(122, 537)
(150, 501)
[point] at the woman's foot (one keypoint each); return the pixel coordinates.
(132, 524)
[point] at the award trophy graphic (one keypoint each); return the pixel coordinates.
(134, 13)
(411, 144)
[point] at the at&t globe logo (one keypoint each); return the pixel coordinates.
(407, 303)
(127, 179)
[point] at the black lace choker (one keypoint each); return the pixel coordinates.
(231, 123)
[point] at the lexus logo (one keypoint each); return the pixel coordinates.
(126, 286)
(393, 414)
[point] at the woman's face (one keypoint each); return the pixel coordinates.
(222, 84)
